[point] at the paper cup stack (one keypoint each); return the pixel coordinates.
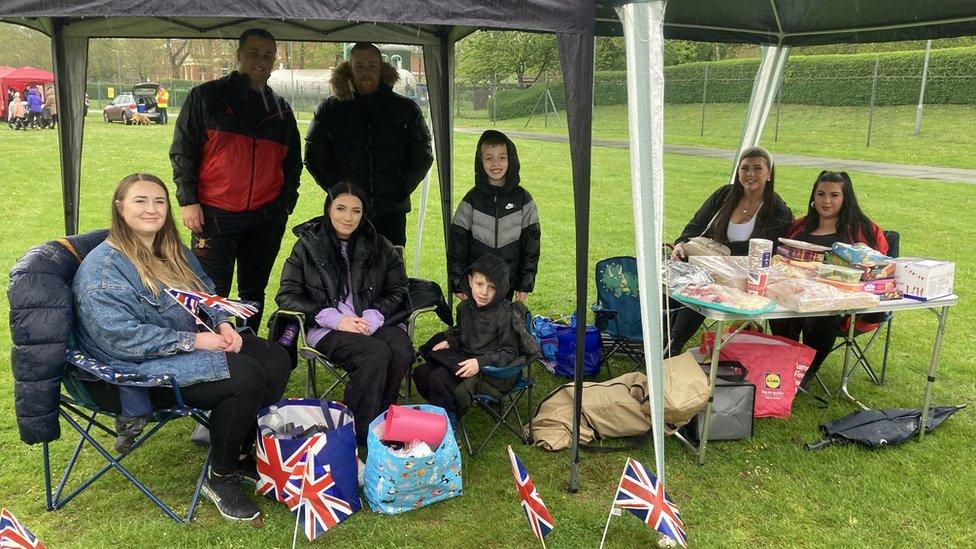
(760, 252)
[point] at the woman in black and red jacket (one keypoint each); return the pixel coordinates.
(832, 216)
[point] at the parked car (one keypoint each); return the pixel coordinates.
(141, 100)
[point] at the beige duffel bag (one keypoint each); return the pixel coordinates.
(619, 407)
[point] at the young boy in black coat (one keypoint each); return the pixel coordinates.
(484, 335)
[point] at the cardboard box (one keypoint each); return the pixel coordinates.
(879, 287)
(924, 279)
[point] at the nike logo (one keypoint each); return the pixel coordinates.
(509, 206)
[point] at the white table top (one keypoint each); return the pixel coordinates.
(782, 312)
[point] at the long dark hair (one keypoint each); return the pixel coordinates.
(852, 224)
(340, 268)
(720, 225)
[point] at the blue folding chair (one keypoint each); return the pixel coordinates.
(617, 310)
(52, 379)
(78, 403)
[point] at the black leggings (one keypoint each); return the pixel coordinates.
(376, 364)
(258, 376)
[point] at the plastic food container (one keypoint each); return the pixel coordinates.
(838, 273)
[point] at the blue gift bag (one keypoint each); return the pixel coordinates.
(278, 458)
(396, 484)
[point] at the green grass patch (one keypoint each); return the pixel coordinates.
(765, 490)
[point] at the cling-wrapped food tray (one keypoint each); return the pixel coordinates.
(807, 296)
(723, 298)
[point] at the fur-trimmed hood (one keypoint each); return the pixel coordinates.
(341, 80)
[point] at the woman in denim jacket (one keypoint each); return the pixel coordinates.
(127, 320)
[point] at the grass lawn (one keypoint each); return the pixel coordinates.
(763, 490)
(946, 137)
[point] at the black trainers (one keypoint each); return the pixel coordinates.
(248, 469)
(228, 495)
(127, 430)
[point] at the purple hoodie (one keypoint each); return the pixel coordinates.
(329, 317)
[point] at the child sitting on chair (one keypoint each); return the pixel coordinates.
(484, 335)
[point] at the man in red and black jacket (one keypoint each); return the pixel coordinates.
(237, 163)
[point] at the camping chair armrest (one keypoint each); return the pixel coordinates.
(599, 310)
(503, 372)
(297, 317)
(418, 312)
(112, 376)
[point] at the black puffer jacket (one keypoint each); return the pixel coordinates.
(379, 141)
(502, 221)
(777, 226)
(488, 332)
(41, 319)
(310, 277)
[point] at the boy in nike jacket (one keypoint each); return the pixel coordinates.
(497, 216)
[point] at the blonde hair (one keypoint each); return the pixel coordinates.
(165, 264)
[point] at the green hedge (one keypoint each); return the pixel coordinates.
(610, 88)
(834, 80)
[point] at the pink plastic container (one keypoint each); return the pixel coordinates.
(404, 424)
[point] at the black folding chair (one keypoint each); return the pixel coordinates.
(501, 405)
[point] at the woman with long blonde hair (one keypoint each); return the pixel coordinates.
(127, 320)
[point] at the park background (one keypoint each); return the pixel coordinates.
(838, 104)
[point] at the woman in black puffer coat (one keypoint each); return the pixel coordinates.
(351, 285)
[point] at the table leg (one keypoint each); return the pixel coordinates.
(933, 365)
(846, 373)
(712, 373)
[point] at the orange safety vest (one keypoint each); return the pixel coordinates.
(162, 98)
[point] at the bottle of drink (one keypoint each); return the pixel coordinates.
(288, 335)
(272, 422)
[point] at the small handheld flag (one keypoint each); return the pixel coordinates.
(643, 495)
(191, 301)
(316, 507)
(535, 509)
(14, 535)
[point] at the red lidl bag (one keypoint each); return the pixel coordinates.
(774, 364)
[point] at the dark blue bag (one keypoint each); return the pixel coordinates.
(557, 342)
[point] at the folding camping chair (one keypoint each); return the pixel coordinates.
(617, 310)
(501, 405)
(869, 326)
(77, 402)
(45, 266)
(279, 319)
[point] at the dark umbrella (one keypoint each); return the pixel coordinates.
(876, 428)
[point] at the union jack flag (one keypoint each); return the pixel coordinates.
(276, 465)
(535, 509)
(191, 301)
(313, 501)
(14, 535)
(640, 493)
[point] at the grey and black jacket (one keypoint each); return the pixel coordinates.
(502, 221)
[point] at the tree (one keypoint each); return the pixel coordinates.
(20, 47)
(611, 55)
(177, 51)
(503, 54)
